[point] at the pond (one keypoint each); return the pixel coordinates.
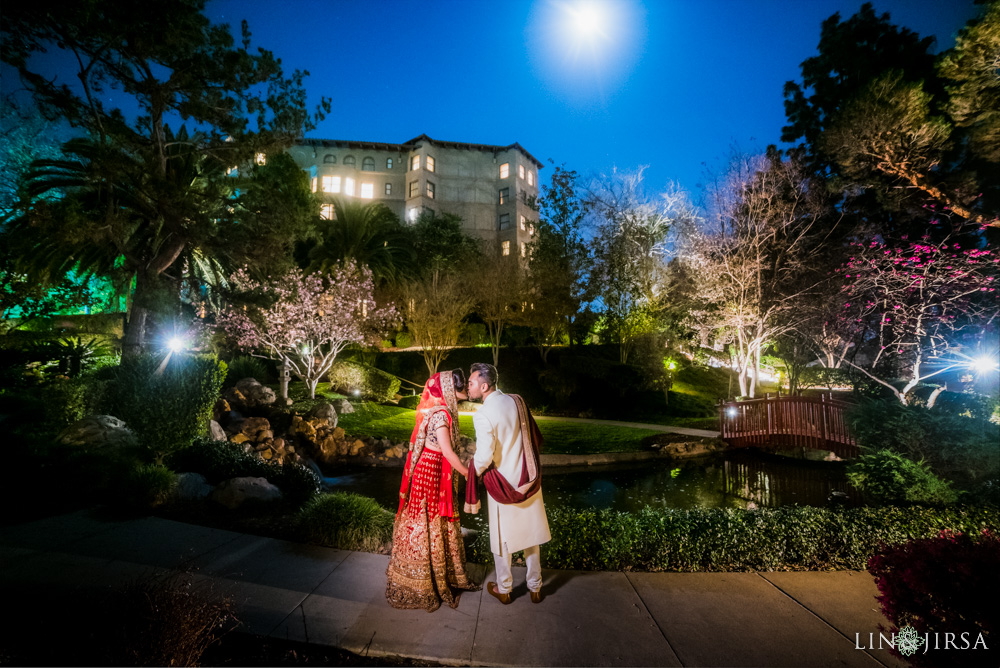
(733, 479)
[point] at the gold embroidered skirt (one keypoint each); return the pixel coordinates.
(428, 556)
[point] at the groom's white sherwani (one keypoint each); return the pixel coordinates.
(513, 527)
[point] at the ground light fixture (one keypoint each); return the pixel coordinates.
(984, 364)
(732, 412)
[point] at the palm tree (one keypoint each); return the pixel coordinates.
(368, 233)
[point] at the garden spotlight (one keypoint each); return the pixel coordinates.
(984, 364)
(731, 411)
(176, 344)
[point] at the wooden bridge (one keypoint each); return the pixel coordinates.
(818, 423)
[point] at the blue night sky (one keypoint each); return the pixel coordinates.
(670, 85)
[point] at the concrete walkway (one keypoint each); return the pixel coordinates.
(334, 597)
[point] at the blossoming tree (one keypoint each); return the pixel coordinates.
(917, 301)
(305, 321)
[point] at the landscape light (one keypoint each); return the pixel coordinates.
(176, 344)
(357, 393)
(732, 412)
(984, 364)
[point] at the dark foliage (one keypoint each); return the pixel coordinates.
(945, 584)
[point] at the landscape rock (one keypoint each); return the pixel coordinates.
(324, 412)
(221, 410)
(256, 394)
(236, 491)
(343, 407)
(254, 427)
(216, 431)
(97, 431)
(192, 487)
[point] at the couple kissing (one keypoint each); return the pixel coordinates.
(427, 565)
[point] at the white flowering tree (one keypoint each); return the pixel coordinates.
(305, 321)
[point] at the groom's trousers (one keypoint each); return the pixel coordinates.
(505, 580)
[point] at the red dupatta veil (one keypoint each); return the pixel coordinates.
(438, 395)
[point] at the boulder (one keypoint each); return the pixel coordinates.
(221, 410)
(324, 412)
(216, 431)
(357, 447)
(255, 393)
(234, 492)
(235, 399)
(192, 487)
(97, 431)
(343, 407)
(255, 428)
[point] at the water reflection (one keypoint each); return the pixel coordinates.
(737, 479)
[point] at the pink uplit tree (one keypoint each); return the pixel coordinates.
(917, 301)
(305, 321)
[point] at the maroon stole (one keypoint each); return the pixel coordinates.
(531, 471)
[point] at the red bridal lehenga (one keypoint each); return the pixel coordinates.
(428, 556)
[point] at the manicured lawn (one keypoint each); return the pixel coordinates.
(560, 437)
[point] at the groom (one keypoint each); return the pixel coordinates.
(508, 440)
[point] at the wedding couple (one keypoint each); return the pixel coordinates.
(428, 557)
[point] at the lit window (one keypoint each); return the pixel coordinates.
(349, 161)
(368, 165)
(505, 248)
(429, 164)
(524, 250)
(367, 190)
(531, 178)
(522, 223)
(430, 190)
(414, 188)
(329, 159)
(388, 163)
(415, 162)
(261, 159)
(314, 183)
(349, 186)
(326, 212)
(531, 229)
(504, 195)
(331, 184)
(504, 170)
(504, 221)
(412, 214)
(520, 171)
(388, 189)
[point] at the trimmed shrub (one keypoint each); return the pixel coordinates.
(376, 385)
(946, 584)
(166, 409)
(727, 539)
(72, 399)
(222, 460)
(146, 486)
(411, 401)
(347, 522)
(246, 366)
(889, 478)
(953, 445)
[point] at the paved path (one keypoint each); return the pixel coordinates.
(334, 597)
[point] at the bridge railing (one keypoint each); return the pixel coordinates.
(810, 422)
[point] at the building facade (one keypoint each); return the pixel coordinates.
(490, 188)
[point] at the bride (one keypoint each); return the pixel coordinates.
(428, 556)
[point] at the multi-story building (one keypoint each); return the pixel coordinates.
(491, 188)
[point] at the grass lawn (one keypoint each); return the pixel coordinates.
(560, 437)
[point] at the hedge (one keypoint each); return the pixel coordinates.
(790, 538)
(166, 408)
(376, 385)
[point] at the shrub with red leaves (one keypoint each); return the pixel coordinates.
(949, 584)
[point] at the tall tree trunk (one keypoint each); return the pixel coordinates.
(134, 338)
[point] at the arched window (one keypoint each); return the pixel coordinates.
(368, 165)
(349, 161)
(329, 159)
